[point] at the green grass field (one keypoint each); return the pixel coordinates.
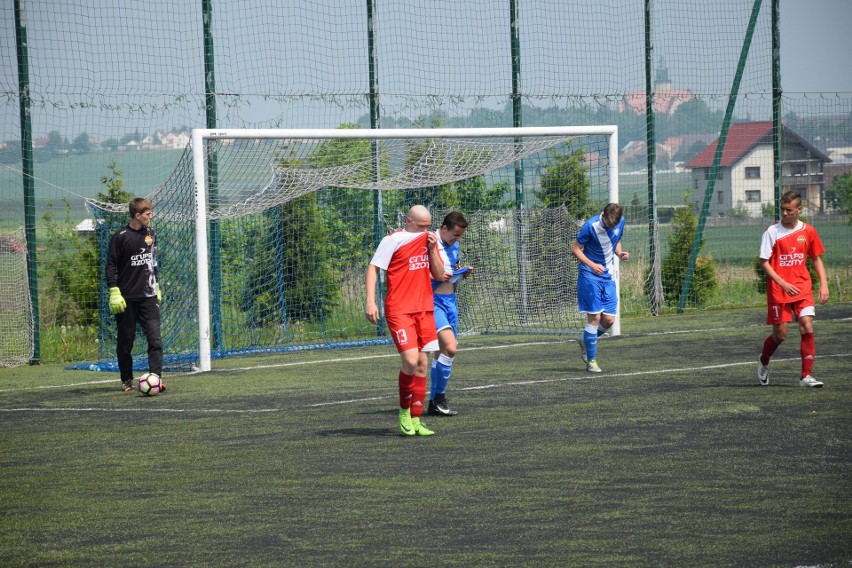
(674, 456)
(739, 245)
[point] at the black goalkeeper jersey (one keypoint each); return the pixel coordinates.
(132, 263)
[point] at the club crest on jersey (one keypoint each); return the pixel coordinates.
(801, 240)
(148, 240)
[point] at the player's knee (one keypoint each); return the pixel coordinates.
(422, 364)
(410, 361)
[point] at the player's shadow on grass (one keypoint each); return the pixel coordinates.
(387, 426)
(385, 432)
(754, 386)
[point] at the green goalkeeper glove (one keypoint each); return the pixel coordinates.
(117, 304)
(159, 293)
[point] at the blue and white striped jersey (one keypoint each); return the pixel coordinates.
(599, 242)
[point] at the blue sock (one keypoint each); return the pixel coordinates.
(590, 338)
(444, 368)
(601, 330)
(434, 380)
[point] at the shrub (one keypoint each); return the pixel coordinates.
(676, 262)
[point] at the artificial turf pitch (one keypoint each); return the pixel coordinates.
(674, 456)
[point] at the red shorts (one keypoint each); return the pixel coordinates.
(410, 331)
(784, 313)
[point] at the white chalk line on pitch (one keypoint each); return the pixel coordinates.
(278, 365)
(387, 397)
(384, 356)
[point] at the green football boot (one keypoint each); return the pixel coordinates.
(405, 422)
(420, 429)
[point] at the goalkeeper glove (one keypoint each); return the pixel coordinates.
(117, 304)
(157, 291)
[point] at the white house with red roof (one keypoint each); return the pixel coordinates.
(746, 173)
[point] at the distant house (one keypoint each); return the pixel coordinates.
(666, 98)
(148, 142)
(176, 140)
(86, 227)
(840, 155)
(746, 174)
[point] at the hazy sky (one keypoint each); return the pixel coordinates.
(816, 56)
(816, 45)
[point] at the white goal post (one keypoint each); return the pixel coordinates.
(200, 171)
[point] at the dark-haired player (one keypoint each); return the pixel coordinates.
(598, 243)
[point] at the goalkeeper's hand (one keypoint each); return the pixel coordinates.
(159, 293)
(117, 304)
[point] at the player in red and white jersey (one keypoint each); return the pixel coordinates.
(784, 250)
(409, 257)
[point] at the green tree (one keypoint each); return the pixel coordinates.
(131, 137)
(474, 195)
(114, 184)
(71, 266)
(81, 144)
(292, 272)
(349, 213)
(565, 183)
(839, 195)
(111, 144)
(693, 117)
(52, 148)
(10, 153)
(54, 141)
(676, 261)
(686, 153)
(72, 262)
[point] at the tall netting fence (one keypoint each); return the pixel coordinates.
(105, 95)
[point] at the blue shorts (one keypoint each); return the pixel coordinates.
(447, 312)
(596, 295)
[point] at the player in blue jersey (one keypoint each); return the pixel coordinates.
(447, 311)
(597, 245)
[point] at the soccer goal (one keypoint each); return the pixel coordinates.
(16, 312)
(265, 235)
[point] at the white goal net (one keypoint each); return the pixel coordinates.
(265, 235)
(16, 313)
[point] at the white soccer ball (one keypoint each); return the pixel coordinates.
(150, 384)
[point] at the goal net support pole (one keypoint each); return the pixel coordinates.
(200, 194)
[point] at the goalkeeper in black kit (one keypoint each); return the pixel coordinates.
(134, 290)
